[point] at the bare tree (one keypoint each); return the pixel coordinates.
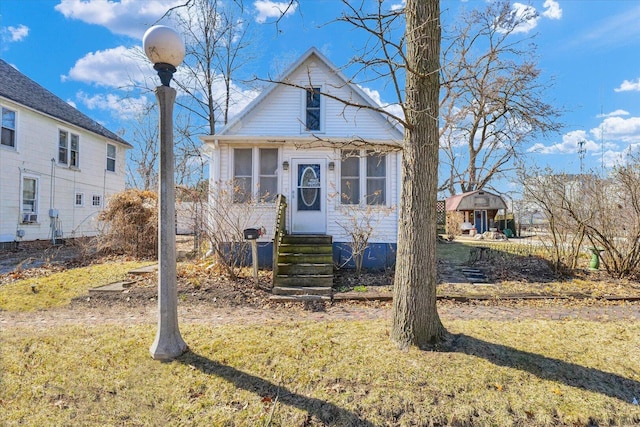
(414, 76)
(415, 319)
(492, 97)
(142, 167)
(218, 41)
(588, 213)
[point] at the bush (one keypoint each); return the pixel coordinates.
(130, 224)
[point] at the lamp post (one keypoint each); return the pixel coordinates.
(165, 50)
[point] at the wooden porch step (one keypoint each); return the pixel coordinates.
(309, 280)
(305, 269)
(298, 298)
(307, 239)
(302, 290)
(305, 258)
(300, 248)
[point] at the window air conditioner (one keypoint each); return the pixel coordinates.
(29, 218)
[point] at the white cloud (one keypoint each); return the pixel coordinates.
(619, 129)
(629, 86)
(614, 113)
(127, 17)
(271, 9)
(123, 108)
(552, 9)
(398, 6)
(569, 145)
(18, 33)
(115, 67)
(526, 15)
(394, 109)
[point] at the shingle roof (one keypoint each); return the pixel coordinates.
(22, 90)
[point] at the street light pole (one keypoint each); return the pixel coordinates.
(165, 50)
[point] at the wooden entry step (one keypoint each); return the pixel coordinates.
(305, 268)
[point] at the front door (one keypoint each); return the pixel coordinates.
(308, 207)
(480, 221)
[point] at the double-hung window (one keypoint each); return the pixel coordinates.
(96, 200)
(63, 147)
(68, 149)
(242, 174)
(8, 138)
(363, 177)
(255, 165)
(79, 199)
(350, 177)
(111, 157)
(74, 159)
(29, 199)
(313, 109)
(268, 174)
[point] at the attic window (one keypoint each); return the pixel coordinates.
(313, 109)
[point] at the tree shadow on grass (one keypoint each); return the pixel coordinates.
(323, 411)
(606, 383)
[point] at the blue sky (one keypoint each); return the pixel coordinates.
(79, 49)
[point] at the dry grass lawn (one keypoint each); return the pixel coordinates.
(530, 373)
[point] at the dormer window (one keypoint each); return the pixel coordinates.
(313, 109)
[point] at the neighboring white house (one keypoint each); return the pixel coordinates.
(58, 167)
(335, 164)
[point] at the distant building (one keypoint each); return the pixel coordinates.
(58, 167)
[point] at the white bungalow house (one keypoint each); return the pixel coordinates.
(57, 166)
(337, 165)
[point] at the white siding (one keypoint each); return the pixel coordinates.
(276, 120)
(37, 144)
(282, 113)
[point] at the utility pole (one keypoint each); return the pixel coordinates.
(581, 153)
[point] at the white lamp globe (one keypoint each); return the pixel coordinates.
(162, 44)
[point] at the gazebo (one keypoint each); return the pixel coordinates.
(473, 212)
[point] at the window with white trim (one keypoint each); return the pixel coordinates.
(29, 200)
(312, 109)
(79, 199)
(255, 170)
(111, 157)
(8, 136)
(242, 174)
(268, 174)
(363, 177)
(96, 200)
(74, 154)
(68, 149)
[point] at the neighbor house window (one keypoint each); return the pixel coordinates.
(8, 138)
(313, 109)
(68, 149)
(74, 160)
(242, 174)
(29, 199)
(255, 167)
(363, 177)
(63, 147)
(79, 199)
(96, 200)
(268, 175)
(111, 157)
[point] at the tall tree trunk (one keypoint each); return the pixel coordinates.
(415, 319)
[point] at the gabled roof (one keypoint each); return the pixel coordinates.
(292, 68)
(463, 202)
(20, 89)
